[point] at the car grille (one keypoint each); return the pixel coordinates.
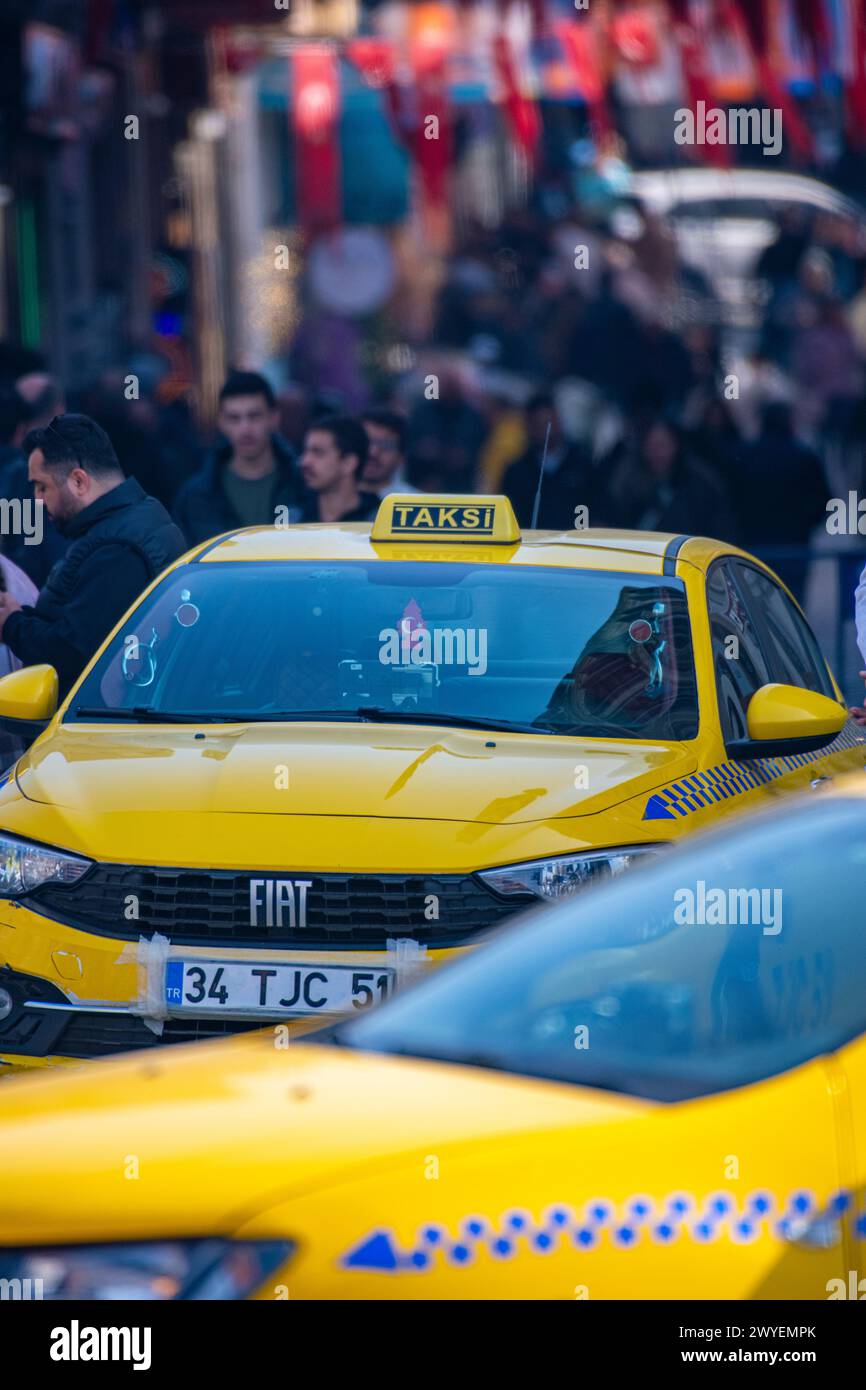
(100, 1035)
(195, 907)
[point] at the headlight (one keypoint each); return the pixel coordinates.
(556, 878)
(24, 866)
(150, 1270)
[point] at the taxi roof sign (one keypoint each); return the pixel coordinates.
(449, 518)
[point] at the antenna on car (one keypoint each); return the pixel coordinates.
(537, 503)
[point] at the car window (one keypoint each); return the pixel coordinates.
(793, 655)
(546, 650)
(752, 209)
(740, 664)
(715, 967)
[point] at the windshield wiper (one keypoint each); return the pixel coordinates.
(455, 721)
(368, 714)
(145, 713)
(288, 716)
(142, 714)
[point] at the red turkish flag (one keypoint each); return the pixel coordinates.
(316, 118)
(753, 16)
(582, 50)
(635, 37)
(375, 58)
(699, 89)
(412, 623)
(856, 90)
(433, 141)
(520, 109)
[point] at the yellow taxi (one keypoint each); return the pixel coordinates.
(313, 760)
(655, 1091)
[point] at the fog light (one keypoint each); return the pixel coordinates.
(7, 1004)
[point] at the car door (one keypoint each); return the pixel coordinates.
(760, 636)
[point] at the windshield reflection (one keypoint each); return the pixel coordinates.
(536, 650)
(622, 989)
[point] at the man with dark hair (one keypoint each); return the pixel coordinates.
(119, 540)
(387, 433)
(334, 457)
(248, 477)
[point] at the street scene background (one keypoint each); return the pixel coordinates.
(489, 220)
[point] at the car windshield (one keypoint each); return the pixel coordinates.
(717, 967)
(542, 650)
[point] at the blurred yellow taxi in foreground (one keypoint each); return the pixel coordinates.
(658, 1091)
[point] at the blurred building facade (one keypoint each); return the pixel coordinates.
(197, 182)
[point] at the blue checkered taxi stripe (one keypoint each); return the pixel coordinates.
(702, 789)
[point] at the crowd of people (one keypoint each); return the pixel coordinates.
(660, 416)
(610, 388)
(103, 538)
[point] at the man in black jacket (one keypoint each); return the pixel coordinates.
(119, 540)
(251, 479)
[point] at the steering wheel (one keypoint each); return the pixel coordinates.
(144, 653)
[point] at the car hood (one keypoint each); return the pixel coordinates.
(366, 1162)
(220, 1131)
(410, 772)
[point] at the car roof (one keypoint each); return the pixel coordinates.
(637, 552)
(666, 188)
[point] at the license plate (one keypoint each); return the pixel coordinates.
(254, 988)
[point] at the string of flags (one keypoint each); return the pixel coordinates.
(517, 54)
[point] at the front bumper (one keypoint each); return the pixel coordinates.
(86, 965)
(45, 1026)
(104, 1001)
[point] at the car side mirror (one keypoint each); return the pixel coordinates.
(28, 698)
(784, 720)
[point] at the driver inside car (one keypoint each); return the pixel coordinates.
(622, 676)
